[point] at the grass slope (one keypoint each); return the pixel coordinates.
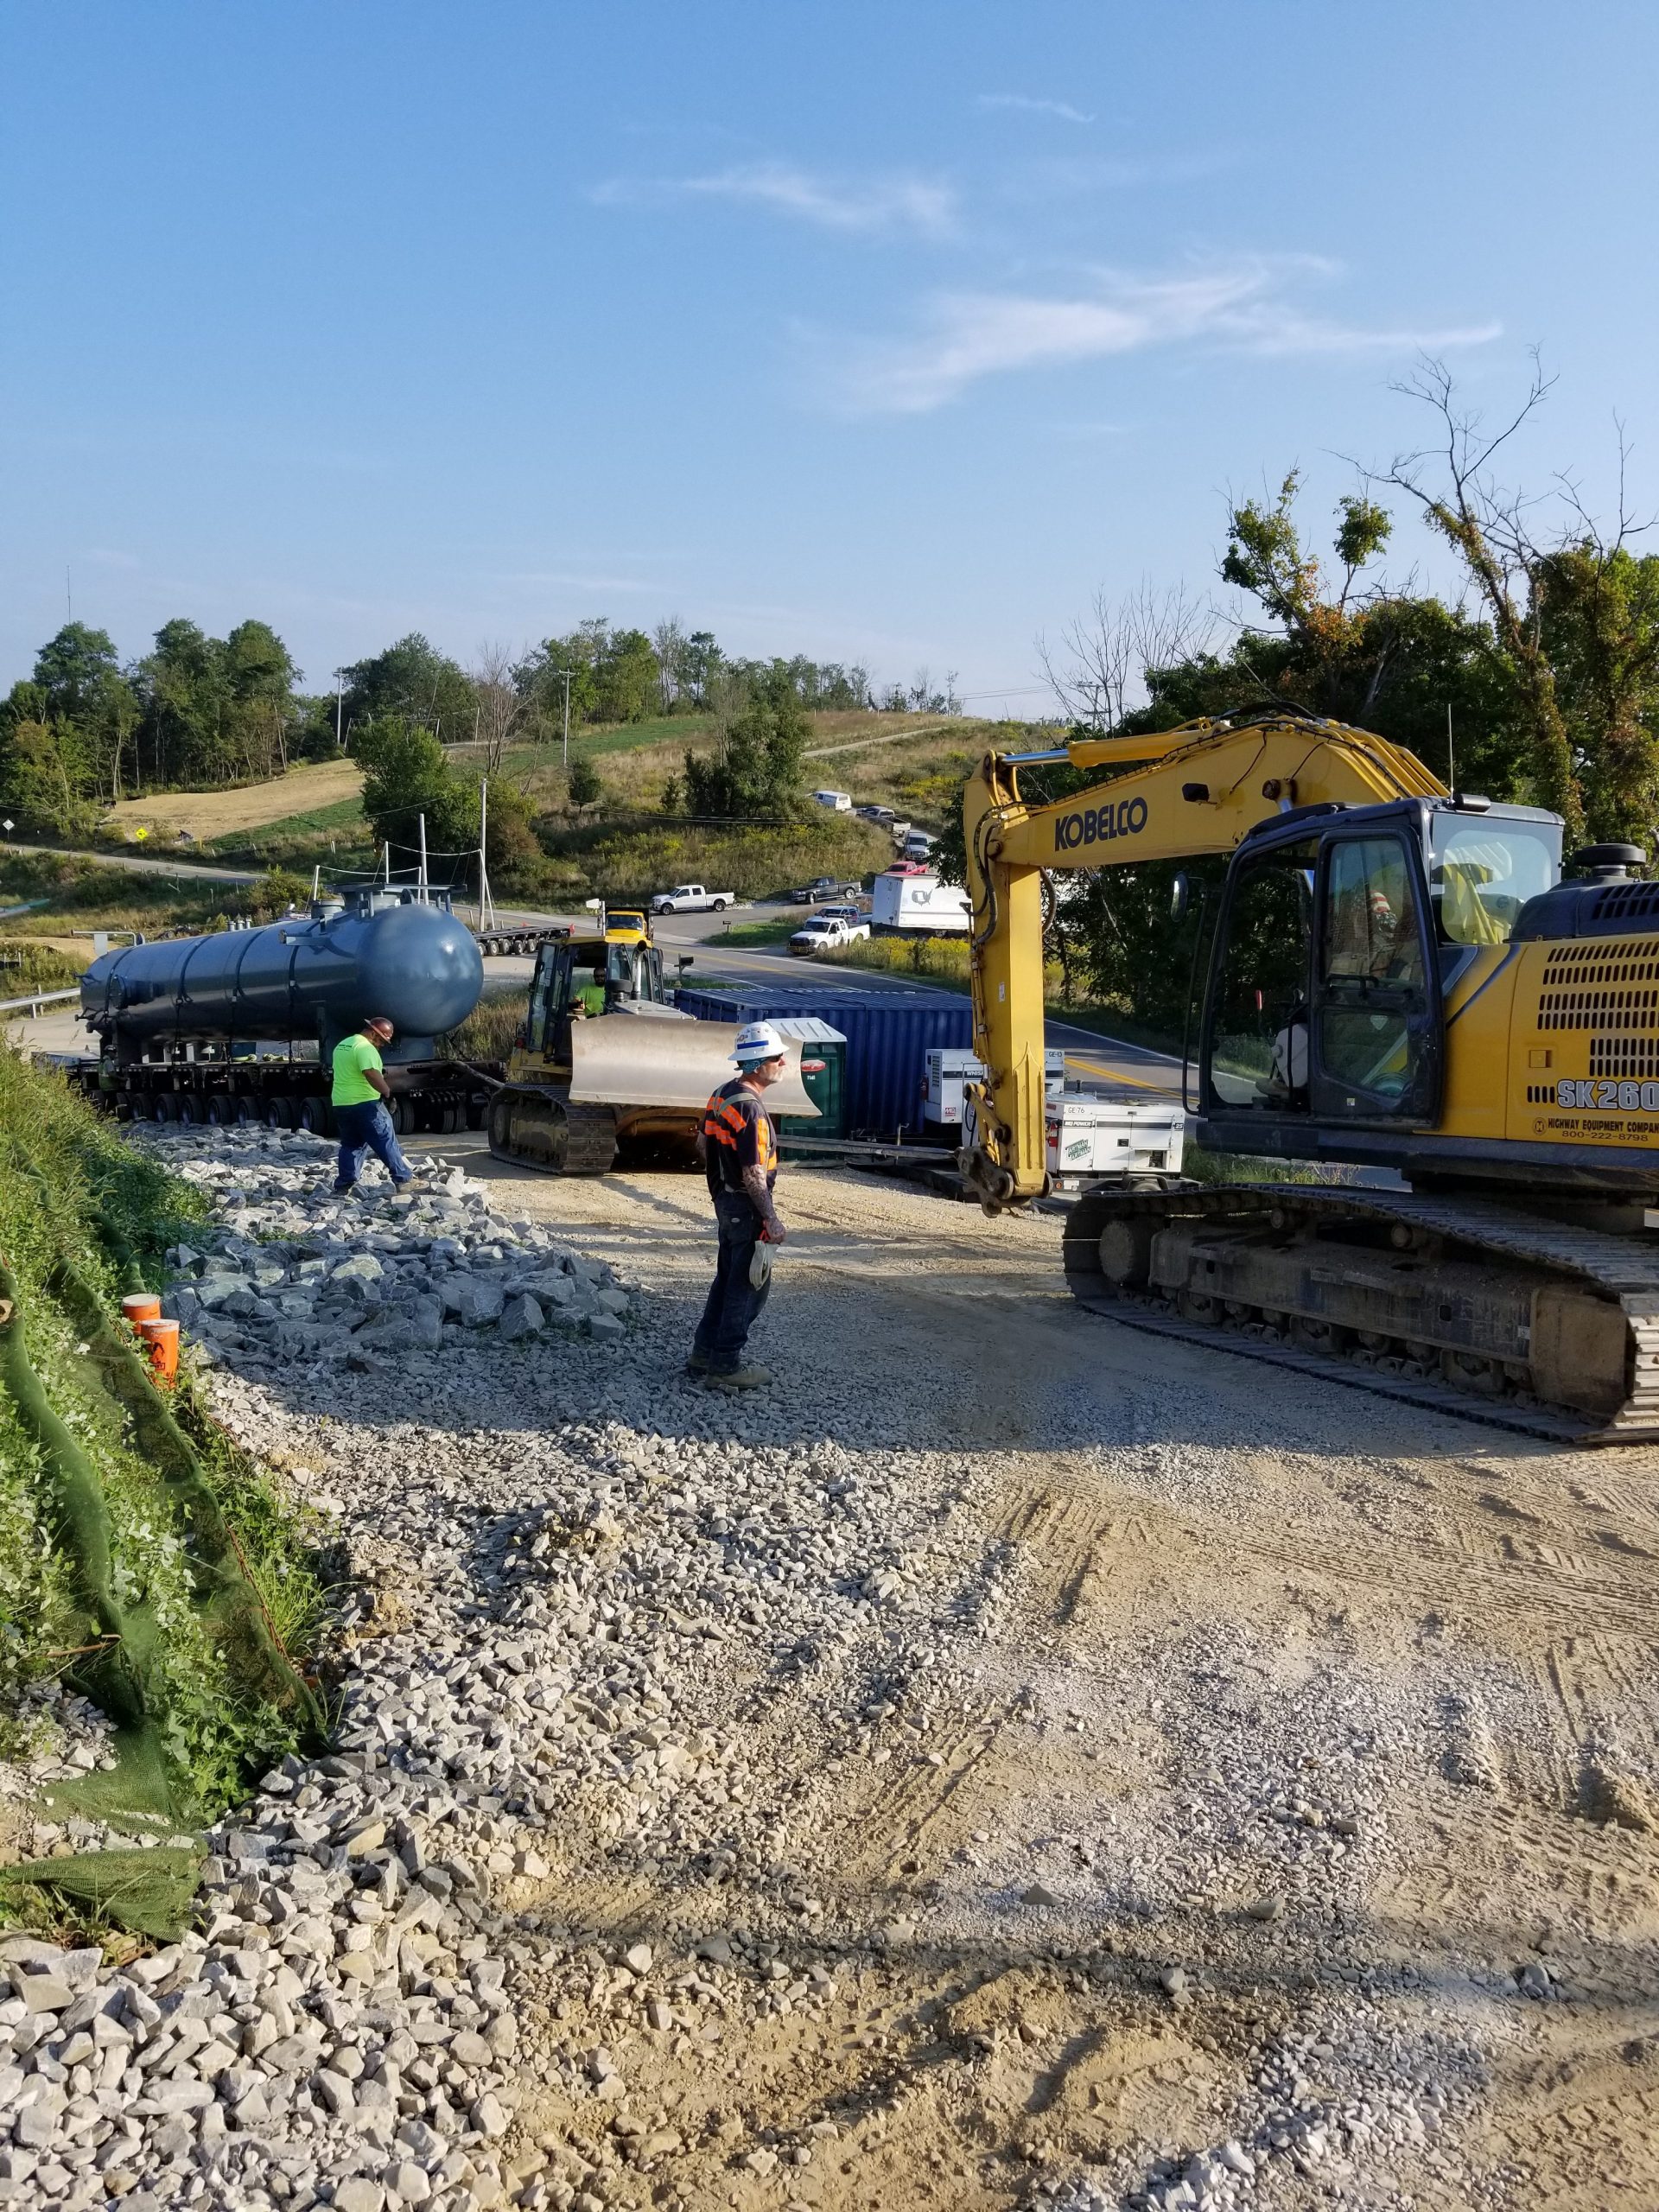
(74, 1196)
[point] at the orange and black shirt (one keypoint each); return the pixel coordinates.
(737, 1133)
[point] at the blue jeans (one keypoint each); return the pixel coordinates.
(367, 1127)
(734, 1304)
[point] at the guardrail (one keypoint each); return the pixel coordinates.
(36, 999)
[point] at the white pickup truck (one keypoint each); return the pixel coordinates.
(692, 899)
(825, 932)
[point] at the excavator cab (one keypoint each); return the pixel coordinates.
(1340, 934)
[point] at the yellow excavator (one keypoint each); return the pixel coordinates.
(1397, 978)
(606, 1072)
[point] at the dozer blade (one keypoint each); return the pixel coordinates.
(622, 1059)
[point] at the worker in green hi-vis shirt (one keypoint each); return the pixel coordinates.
(358, 1099)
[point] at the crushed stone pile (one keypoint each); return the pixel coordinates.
(298, 1275)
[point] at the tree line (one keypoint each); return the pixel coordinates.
(85, 729)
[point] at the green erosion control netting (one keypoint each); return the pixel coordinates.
(149, 1891)
(140, 1556)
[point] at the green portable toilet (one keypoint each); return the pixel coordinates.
(824, 1077)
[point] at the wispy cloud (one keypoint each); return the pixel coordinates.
(871, 204)
(575, 580)
(967, 336)
(1024, 106)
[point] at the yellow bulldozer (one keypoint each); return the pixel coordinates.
(1399, 979)
(606, 1072)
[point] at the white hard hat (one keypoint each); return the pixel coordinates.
(759, 1041)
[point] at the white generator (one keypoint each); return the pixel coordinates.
(946, 1075)
(1093, 1139)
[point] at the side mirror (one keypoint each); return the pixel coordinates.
(1180, 892)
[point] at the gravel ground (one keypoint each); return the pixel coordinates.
(1012, 1761)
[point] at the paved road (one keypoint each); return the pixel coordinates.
(142, 863)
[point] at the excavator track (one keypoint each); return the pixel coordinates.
(1468, 1306)
(542, 1129)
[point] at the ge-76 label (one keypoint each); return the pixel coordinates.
(1604, 1096)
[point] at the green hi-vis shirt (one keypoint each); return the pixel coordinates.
(351, 1056)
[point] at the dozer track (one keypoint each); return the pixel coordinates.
(1466, 1305)
(542, 1129)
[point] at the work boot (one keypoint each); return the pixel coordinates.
(741, 1378)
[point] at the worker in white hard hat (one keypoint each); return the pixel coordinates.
(739, 1148)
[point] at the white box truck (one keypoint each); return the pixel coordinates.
(912, 902)
(837, 801)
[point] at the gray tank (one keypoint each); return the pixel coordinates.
(315, 975)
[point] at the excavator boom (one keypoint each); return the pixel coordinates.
(1200, 789)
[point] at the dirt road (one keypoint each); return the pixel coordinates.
(1230, 1764)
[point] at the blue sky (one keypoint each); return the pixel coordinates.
(883, 332)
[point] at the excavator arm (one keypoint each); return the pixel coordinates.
(1196, 790)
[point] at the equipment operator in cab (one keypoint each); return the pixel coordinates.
(739, 1148)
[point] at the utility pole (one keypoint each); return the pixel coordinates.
(1450, 765)
(485, 903)
(388, 863)
(565, 758)
(339, 709)
(421, 818)
(483, 873)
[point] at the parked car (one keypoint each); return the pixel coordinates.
(824, 933)
(837, 801)
(823, 887)
(878, 814)
(692, 899)
(850, 913)
(918, 845)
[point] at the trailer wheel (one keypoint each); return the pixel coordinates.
(164, 1107)
(475, 1112)
(247, 1109)
(455, 1116)
(221, 1112)
(313, 1115)
(279, 1114)
(189, 1108)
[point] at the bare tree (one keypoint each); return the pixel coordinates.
(1491, 526)
(1100, 671)
(669, 643)
(500, 705)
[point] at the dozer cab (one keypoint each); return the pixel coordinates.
(606, 1072)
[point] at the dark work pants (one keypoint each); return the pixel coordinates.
(734, 1304)
(367, 1127)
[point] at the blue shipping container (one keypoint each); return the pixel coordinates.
(888, 1033)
